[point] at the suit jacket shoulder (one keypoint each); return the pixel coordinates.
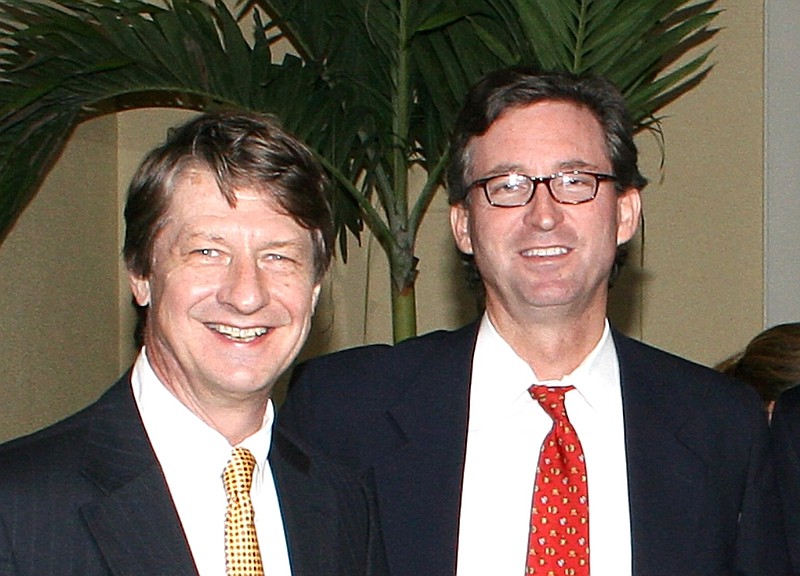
(686, 379)
(700, 472)
(86, 496)
(361, 403)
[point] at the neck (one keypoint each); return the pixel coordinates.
(237, 425)
(552, 349)
(234, 418)
(235, 415)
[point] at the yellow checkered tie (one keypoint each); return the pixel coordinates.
(242, 556)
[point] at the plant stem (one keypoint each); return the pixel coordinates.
(402, 261)
(404, 313)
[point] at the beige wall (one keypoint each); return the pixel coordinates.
(704, 223)
(58, 296)
(63, 296)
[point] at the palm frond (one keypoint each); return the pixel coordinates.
(61, 64)
(631, 42)
(374, 87)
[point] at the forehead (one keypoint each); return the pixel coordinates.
(196, 204)
(194, 191)
(541, 137)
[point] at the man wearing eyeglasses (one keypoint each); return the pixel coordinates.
(540, 440)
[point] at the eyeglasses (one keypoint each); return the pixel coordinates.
(514, 189)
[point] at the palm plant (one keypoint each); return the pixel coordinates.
(373, 85)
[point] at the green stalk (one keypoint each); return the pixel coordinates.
(404, 313)
(402, 261)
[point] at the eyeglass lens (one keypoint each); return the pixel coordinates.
(518, 189)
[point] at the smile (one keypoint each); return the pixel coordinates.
(239, 334)
(546, 252)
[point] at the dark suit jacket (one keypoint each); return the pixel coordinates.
(86, 497)
(786, 425)
(700, 477)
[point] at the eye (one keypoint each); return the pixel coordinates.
(514, 182)
(207, 252)
(278, 258)
(577, 180)
(508, 183)
(285, 255)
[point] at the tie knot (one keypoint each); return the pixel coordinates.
(551, 398)
(238, 475)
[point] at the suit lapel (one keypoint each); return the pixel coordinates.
(666, 462)
(329, 513)
(134, 521)
(308, 508)
(419, 484)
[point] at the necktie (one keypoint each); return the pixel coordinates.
(559, 534)
(242, 556)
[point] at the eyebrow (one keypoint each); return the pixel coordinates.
(201, 235)
(572, 164)
(288, 243)
(205, 235)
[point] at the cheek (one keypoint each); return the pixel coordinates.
(605, 223)
(488, 228)
(294, 292)
(183, 287)
(300, 299)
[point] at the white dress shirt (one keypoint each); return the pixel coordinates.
(505, 433)
(193, 456)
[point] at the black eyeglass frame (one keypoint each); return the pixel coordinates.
(546, 180)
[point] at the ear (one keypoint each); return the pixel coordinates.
(459, 222)
(315, 292)
(629, 212)
(140, 288)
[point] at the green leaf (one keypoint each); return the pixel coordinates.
(374, 86)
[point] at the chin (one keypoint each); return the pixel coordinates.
(246, 383)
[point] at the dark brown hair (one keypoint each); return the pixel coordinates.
(240, 150)
(520, 86)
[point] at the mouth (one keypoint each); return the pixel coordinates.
(548, 252)
(239, 334)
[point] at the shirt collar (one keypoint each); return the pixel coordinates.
(510, 376)
(598, 371)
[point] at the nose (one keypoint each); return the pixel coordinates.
(543, 211)
(244, 286)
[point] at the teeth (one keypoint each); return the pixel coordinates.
(554, 251)
(235, 333)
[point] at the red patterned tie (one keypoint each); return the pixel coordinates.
(559, 536)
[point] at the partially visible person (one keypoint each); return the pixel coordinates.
(177, 469)
(770, 363)
(539, 439)
(786, 434)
